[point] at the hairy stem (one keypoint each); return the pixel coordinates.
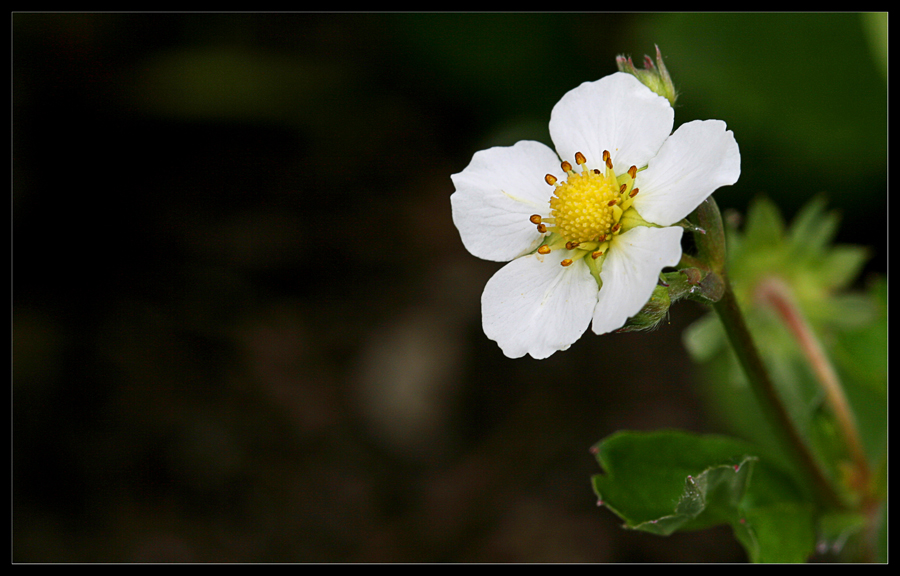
(774, 292)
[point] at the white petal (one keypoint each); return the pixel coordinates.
(697, 159)
(496, 194)
(533, 305)
(630, 273)
(616, 113)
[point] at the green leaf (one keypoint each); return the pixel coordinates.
(783, 532)
(661, 482)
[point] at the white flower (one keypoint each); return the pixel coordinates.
(584, 245)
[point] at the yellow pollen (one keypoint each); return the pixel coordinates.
(582, 206)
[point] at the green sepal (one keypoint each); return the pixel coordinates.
(653, 312)
(710, 238)
(696, 284)
(692, 283)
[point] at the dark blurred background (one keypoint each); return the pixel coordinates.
(244, 326)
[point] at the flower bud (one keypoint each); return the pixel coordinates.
(655, 77)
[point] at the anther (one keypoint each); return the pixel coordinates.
(535, 218)
(596, 254)
(612, 202)
(550, 179)
(542, 228)
(622, 188)
(606, 155)
(566, 262)
(580, 159)
(609, 162)
(572, 245)
(544, 249)
(634, 193)
(615, 228)
(566, 166)
(632, 172)
(596, 171)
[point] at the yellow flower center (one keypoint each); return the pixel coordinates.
(586, 210)
(582, 206)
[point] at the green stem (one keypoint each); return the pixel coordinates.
(768, 397)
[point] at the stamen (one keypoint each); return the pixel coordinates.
(607, 159)
(566, 262)
(632, 172)
(580, 159)
(566, 166)
(550, 179)
(535, 218)
(542, 228)
(544, 250)
(634, 193)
